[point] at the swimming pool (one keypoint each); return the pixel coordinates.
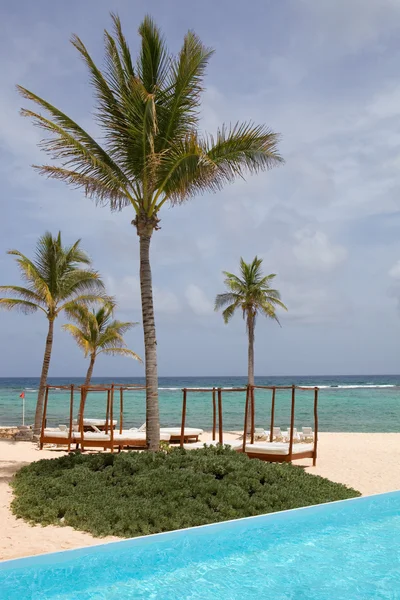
(345, 550)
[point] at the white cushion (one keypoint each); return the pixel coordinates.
(93, 436)
(175, 431)
(131, 436)
(95, 422)
(279, 448)
(56, 433)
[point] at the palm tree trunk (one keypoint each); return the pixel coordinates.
(87, 382)
(150, 342)
(250, 362)
(43, 380)
(90, 369)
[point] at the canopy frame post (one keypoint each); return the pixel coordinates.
(184, 400)
(214, 406)
(246, 410)
(46, 398)
(71, 416)
(316, 390)
(292, 422)
(252, 414)
(220, 426)
(271, 429)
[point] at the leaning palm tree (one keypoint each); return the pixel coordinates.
(251, 293)
(152, 152)
(96, 332)
(54, 281)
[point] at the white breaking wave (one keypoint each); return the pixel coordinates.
(188, 388)
(352, 387)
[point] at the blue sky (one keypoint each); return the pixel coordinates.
(323, 74)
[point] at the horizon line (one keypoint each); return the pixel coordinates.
(203, 376)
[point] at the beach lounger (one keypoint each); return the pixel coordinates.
(57, 435)
(126, 439)
(96, 438)
(234, 444)
(278, 451)
(278, 435)
(308, 434)
(191, 434)
(93, 424)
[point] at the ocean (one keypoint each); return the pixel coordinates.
(346, 403)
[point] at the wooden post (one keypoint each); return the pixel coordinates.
(245, 419)
(71, 415)
(121, 408)
(271, 432)
(107, 410)
(81, 415)
(112, 417)
(252, 415)
(292, 422)
(46, 398)
(315, 426)
(220, 425)
(214, 414)
(182, 440)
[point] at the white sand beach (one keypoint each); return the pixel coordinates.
(368, 462)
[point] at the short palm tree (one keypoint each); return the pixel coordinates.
(251, 293)
(152, 152)
(96, 332)
(55, 281)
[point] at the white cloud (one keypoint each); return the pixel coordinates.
(394, 272)
(313, 305)
(386, 103)
(313, 250)
(349, 25)
(198, 301)
(127, 294)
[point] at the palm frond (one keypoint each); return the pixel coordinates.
(228, 313)
(152, 151)
(22, 305)
(78, 282)
(242, 148)
(24, 294)
(121, 352)
(74, 147)
(84, 299)
(95, 331)
(251, 292)
(123, 46)
(181, 101)
(31, 274)
(79, 336)
(153, 61)
(223, 299)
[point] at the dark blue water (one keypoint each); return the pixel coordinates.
(346, 403)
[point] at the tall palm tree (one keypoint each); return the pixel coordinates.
(251, 293)
(55, 281)
(152, 152)
(96, 332)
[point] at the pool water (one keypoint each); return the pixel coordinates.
(346, 550)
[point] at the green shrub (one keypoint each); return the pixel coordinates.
(131, 493)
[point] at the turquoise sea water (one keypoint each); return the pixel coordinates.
(346, 403)
(344, 550)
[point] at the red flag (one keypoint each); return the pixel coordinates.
(22, 395)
